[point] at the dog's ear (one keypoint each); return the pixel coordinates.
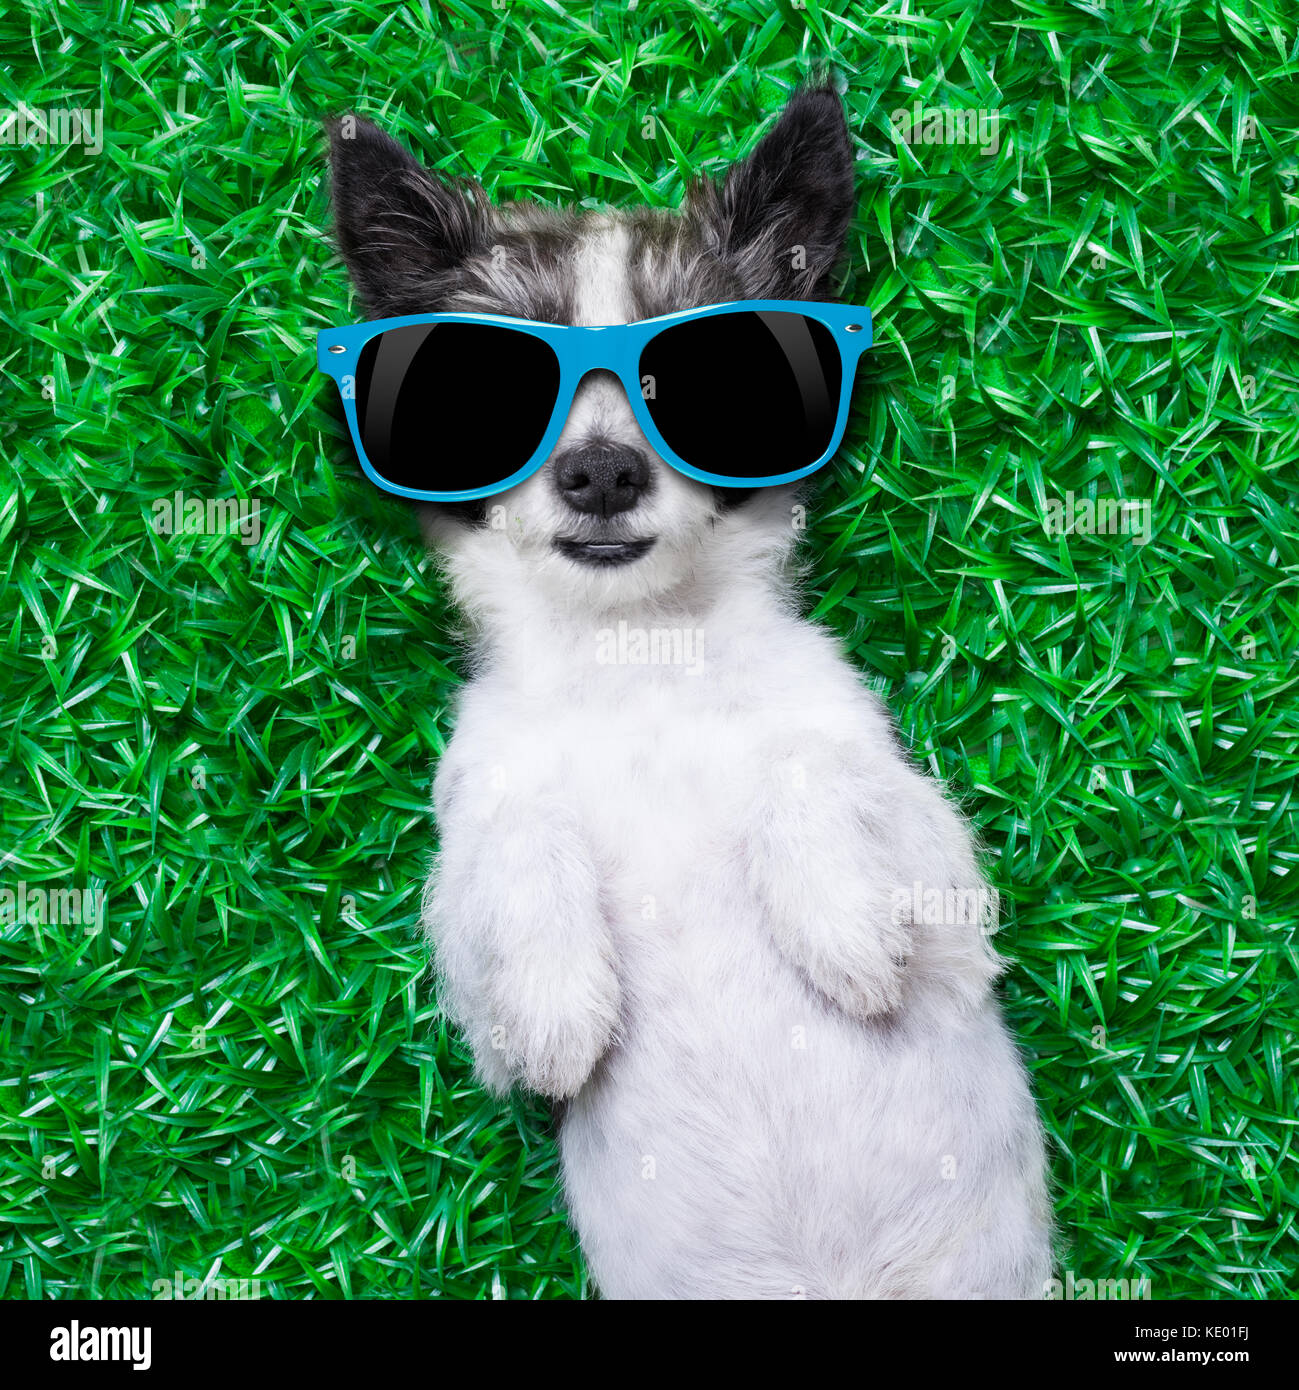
(401, 230)
(780, 218)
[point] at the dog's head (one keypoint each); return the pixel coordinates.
(605, 520)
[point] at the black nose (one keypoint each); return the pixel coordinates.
(602, 479)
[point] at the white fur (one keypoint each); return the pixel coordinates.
(669, 894)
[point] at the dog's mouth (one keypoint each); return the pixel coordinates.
(600, 553)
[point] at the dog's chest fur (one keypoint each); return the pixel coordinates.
(732, 1095)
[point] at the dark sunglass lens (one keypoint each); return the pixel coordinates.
(749, 394)
(451, 407)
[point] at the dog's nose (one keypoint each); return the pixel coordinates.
(602, 479)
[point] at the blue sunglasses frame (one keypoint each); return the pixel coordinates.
(613, 347)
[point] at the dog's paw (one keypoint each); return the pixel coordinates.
(562, 1065)
(523, 945)
(857, 959)
(814, 857)
(551, 1036)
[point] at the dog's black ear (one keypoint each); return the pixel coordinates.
(780, 218)
(402, 231)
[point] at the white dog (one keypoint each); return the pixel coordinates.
(689, 883)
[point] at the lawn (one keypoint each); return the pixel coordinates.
(219, 1054)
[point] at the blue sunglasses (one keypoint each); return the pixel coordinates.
(453, 407)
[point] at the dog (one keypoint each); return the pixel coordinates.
(703, 901)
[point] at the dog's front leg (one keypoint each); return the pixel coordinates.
(807, 845)
(521, 944)
(841, 849)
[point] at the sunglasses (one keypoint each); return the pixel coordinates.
(452, 407)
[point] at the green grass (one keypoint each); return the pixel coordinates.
(243, 1072)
